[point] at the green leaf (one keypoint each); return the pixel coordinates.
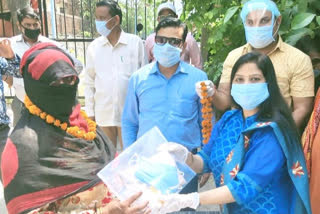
(301, 20)
(302, 6)
(230, 12)
(295, 35)
(210, 14)
(318, 20)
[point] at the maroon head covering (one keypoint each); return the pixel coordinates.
(41, 163)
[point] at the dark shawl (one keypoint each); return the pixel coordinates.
(42, 163)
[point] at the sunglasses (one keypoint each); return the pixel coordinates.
(165, 16)
(161, 40)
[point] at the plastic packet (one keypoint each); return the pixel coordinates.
(148, 167)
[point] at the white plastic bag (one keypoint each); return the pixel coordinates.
(148, 167)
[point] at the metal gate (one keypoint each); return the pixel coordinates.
(71, 22)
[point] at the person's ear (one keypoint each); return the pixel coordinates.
(277, 25)
(117, 20)
(183, 48)
(158, 19)
(278, 21)
(19, 26)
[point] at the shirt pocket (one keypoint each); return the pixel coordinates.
(185, 108)
(127, 64)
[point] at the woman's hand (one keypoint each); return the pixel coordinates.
(118, 207)
(176, 202)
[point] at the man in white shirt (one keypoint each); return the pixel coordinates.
(29, 24)
(111, 59)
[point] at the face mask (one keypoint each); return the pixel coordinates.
(167, 55)
(57, 101)
(249, 96)
(164, 177)
(102, 29)
(316, 73)
(259, 37)
(32, 33)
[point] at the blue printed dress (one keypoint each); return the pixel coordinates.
(252, 160)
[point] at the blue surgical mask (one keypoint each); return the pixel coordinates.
(167, 55)
(316, 73)
(249, 96)
(260, 37)
(164, 177)
(102, 29)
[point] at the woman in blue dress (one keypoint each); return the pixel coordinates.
(254, 150)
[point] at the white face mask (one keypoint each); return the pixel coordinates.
(102, 29)
(260, 37)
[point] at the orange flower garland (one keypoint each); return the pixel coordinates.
(73, 130)
(206, 113)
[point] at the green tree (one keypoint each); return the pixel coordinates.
(217, 24)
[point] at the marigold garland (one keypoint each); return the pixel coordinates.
(206, 113)
(72, 130)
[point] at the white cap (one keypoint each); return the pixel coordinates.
(167, 5)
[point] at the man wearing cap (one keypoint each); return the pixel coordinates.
(191, 54)
(261, 20)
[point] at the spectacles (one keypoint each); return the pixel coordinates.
(161, 40)
(165, 16)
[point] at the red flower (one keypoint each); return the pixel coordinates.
(297, 169)
(263, 124)
(221, 180)
(106, 200)
(229, 157)
(246, 141)
(75, 199)
(234, 171)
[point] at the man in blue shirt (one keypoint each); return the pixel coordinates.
(162, 93)
(9, 66)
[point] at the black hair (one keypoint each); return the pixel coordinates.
(27, 12)
(114, 8)
(274, 108)
(306, 44)
(173, 22)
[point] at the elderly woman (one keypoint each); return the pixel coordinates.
(51, 159)
(254, 151)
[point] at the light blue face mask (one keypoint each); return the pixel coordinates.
(316, 73)
(249, 96)
(102, 29)
(259, 37)
(167, 55)
(163, 177)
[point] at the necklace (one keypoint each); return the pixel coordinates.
(72, 130)
(206, 114)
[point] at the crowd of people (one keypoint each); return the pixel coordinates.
(263, 152)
